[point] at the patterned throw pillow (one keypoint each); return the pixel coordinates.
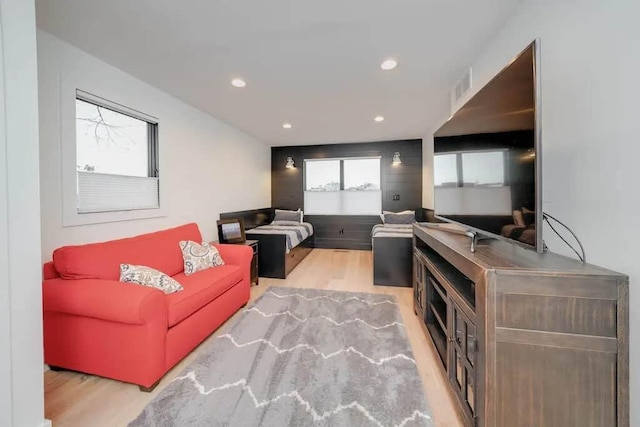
(199, 257)
(282, 215)
(147, 276)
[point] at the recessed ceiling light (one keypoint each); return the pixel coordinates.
(238, 83)
(389, 64)
(287, 125)
(379, 119)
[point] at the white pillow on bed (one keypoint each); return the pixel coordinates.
(408, 211)
(284, 223)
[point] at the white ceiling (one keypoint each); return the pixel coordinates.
(315, 64)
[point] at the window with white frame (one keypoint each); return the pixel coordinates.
(116, 157)
(348, 186)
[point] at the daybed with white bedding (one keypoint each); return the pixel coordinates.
(283, 239)
(295, 234)
(391, 243)
(281, 247)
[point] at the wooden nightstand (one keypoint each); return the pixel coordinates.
(254, 260)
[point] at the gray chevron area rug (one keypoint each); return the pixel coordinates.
(300, 357)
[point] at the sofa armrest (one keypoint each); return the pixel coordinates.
(240, 255)
(105, 299)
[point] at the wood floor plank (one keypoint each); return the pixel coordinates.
(74, 399)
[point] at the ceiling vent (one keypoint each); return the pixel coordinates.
(461, 89)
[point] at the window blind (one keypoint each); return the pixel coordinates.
(343, 202)
(99, 192)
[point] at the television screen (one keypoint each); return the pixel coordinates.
(486, 164)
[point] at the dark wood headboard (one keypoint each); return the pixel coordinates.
(256, 217)
(252, 218)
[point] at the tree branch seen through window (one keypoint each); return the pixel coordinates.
(116, 157)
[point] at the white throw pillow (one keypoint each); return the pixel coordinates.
(284, 223)
(198, 257)
(147, 276)
(408, 211)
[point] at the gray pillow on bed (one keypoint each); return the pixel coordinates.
(282, 215)
(399, 218)
(284, 223)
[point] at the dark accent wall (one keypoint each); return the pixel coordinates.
(251, 218)
(349, 232)
(343, 231)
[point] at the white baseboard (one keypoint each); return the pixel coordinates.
(46, 423)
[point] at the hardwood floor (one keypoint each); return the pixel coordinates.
(73, 399)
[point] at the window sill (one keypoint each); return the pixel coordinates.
(74, 219)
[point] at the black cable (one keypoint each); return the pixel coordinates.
(583, 257)
(563, 239)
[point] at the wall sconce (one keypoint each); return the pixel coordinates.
(396, 158)
(290, 164)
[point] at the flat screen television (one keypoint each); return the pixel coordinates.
(487, 172)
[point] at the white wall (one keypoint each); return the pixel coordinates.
(21, 384)
(206, 166)
(428, 194)
(590, 60)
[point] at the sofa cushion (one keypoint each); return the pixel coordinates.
(199, 289)
(159, 250)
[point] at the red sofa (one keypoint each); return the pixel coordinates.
(96, 324)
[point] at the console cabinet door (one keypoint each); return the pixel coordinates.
(462, 373)
(419, 285)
